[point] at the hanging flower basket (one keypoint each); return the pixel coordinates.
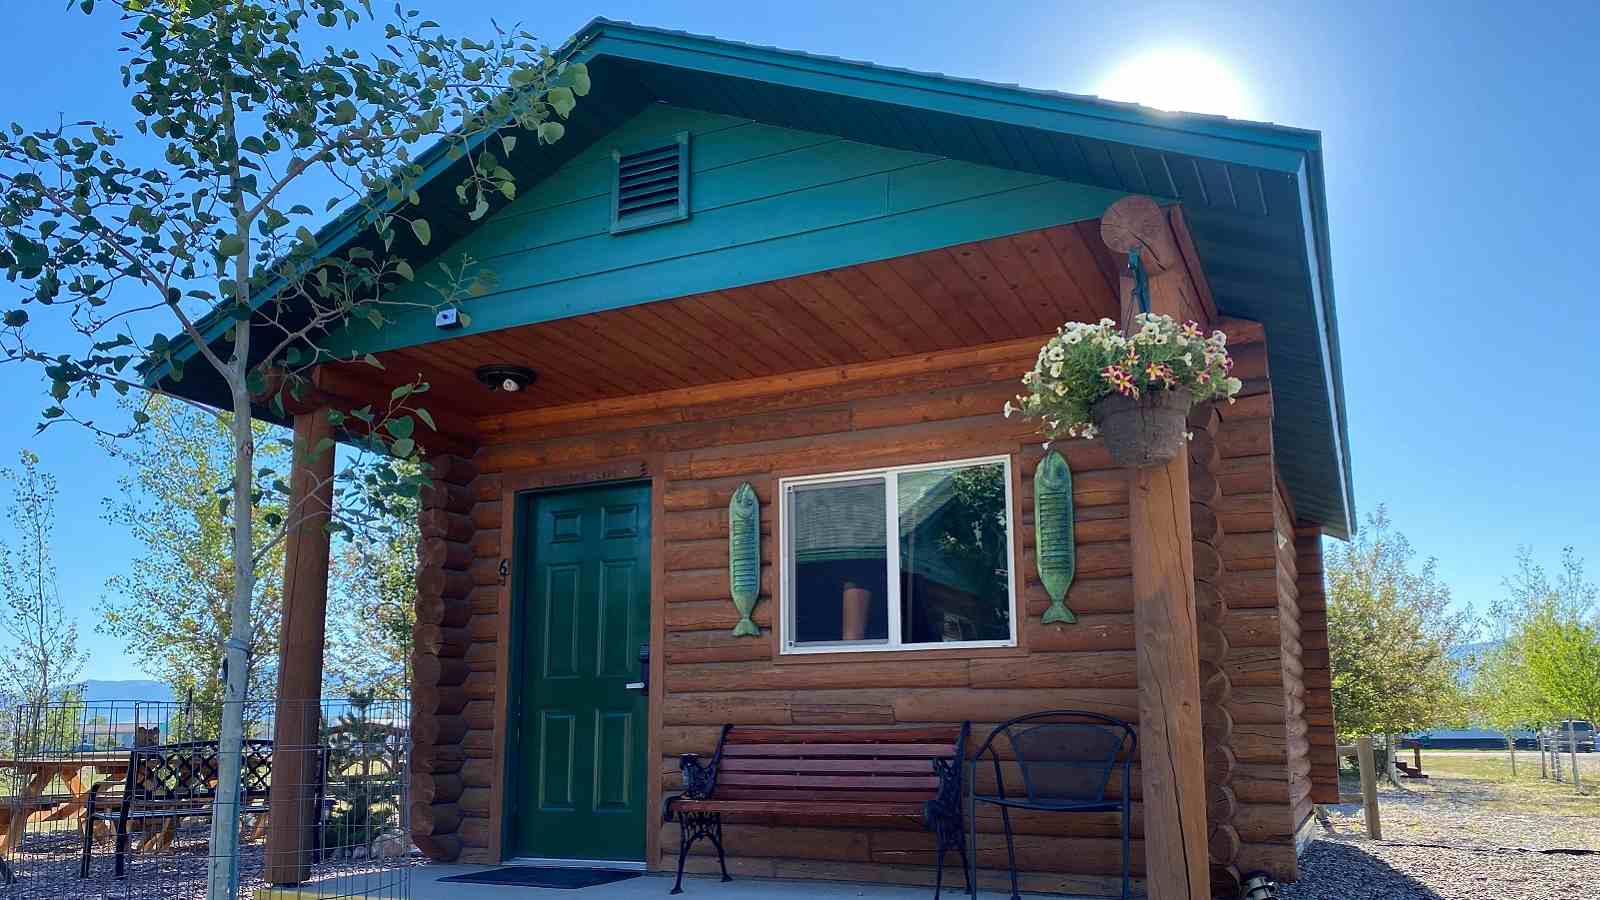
(1143, 431)
(1134, 390)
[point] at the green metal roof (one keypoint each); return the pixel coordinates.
(1252, 193)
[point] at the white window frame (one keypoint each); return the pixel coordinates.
(889, 476)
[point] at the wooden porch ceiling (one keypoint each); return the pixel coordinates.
(965, 295)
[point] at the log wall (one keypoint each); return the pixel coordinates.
(452, 763)
(1263, 625)
(937, 407)
(1314, 659)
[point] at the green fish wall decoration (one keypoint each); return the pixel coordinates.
(744, 556)
(1054, 548)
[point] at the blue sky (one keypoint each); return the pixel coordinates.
(1462, 187)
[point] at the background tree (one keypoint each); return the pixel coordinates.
(1390, 635)
(1554, 625)
(375, 582)
(1501, 694)
(243, 114)
(171, 608)
(43, 661)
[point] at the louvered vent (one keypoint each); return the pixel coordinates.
(652, 186)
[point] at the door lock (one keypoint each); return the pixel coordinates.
(643, 684)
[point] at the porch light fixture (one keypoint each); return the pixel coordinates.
(508, 378)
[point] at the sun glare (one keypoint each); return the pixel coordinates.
(1179, 79)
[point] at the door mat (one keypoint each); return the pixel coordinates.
(544, 877)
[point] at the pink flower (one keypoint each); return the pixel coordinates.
(1160, 372)
(1121, 379)
(1191, 329)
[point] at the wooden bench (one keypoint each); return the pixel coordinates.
(832, 776)
(179, 781)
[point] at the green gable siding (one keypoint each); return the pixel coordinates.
(766, 202)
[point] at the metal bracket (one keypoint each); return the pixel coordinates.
(1141, 281)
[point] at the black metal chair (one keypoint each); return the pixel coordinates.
(1066, 758)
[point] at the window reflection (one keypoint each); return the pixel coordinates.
(954, 557)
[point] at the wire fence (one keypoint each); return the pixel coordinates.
(117, 800)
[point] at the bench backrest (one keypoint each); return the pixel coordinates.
(870, 765)
(178, 773)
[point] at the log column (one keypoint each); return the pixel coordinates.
(295, 772)
(1171, 760)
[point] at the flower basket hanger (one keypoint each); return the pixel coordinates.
(1132, 387)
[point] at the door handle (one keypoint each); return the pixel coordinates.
(643, 684)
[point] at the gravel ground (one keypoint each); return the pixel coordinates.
(46, 868)
(1344, 869)
(1456, 837)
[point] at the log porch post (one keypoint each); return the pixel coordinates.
(1171, 760)
(293, 798)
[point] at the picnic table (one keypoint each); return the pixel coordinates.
(37, 773)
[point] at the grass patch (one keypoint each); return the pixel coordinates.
(1471, 797)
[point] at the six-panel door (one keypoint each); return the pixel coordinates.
(585, 612)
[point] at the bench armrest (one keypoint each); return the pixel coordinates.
(699, 782)
(945, 807)
(699, 779)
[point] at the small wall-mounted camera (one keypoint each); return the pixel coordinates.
(447, 318)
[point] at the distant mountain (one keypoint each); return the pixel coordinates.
(1466, 651)
(134, 689)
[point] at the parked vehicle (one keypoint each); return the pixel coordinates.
(1582, 733)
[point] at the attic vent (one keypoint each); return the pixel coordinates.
(651, 187)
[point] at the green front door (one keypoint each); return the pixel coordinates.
(585, 612)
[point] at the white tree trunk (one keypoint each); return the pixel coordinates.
(1572, 749)
(222, 874)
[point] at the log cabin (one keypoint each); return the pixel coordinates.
(823, 279)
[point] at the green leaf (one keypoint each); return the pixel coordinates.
(580, 79)
(344, 113)
(373, 361)
(420, 228)
(403, 448)
(403, 269)
(322, 446)
(550, 132)
(16, 318)
(232, 245)
(562, 101)
(427, 419)
(401, 426)
(508, 142)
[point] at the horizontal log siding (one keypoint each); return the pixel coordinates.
(1297, 745)
(1262, 660)
(710, 677)
(453, 768)
(1319, 712)
(1216, 677)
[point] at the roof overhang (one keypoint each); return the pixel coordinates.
(1252, 193)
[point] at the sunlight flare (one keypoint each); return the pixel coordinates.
(1180, 79)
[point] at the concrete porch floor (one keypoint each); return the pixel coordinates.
(655, 885)
(425, 885)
